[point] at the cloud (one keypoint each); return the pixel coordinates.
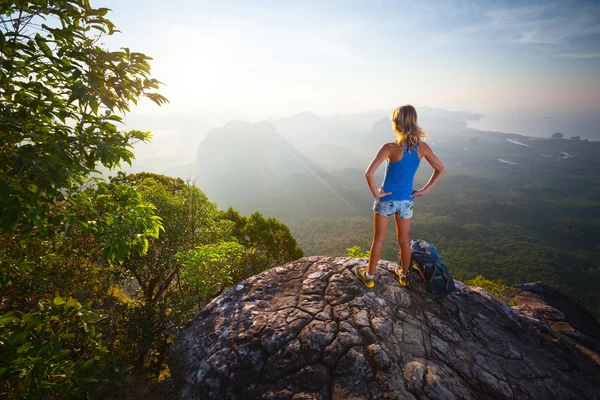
(555, 24)
(580, 55)
(552, 24)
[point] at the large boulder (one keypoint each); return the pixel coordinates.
(311, 330)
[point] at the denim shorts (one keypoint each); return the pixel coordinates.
(387, 208)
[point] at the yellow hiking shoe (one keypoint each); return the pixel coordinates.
(361, 273)
(402, 279)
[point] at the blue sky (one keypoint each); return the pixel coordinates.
(276, 58)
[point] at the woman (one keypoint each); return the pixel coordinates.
(395, 196)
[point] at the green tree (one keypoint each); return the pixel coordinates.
(268, 242)
(209, 268)
(163, 302)
(55, 352)
(62, 94)
(199, 255)
(189, 219)
(52, 348)
(59, 92)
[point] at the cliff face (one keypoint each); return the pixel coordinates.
(311, 330)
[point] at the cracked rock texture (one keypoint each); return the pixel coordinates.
(311, 330)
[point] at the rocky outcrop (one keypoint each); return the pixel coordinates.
(311, 330)
(575, 325)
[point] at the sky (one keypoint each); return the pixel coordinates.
(268, 59)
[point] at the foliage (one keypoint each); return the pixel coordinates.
(59, 232)
(199, 254)
(190, 220)
(209, 268)
(55, 351)
(93, 231)
(267, 242)
(356, 252)
(119, 220)
(156, 303)
(497, 289)
(59, 89)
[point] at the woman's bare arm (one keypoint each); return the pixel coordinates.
(438, 170)
(381, 155)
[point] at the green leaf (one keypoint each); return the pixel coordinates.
(78, 92)
(17, 339)
(58, 301)
(68, 226)
(37, 221)
(24, 348)
(94, 104)
(102, 11)
(33, 321)
(73, 303)
(7, 318)
(41, 42)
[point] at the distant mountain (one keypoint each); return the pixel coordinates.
(336, 156)
(428, 112)
(177, 136)
(366, 120)
(439, 124)
(251, 167)
(585, 123)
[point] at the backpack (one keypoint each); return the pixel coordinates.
(427, 266)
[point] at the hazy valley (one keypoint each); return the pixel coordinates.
(510, 207)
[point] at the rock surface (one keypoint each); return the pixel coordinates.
(311, 330)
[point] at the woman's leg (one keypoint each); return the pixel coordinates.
(402, 231)
(380, 225)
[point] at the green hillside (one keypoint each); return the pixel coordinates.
(538, 219)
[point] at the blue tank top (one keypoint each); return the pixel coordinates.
(400, 175)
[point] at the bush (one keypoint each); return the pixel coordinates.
(356, 252)
(55, 352)
(62, 94)
(497, 289)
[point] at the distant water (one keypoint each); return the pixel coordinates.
(506, 161)
(519, 143)
(587, 126)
